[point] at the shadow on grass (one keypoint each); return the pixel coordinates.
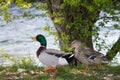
(64, 73)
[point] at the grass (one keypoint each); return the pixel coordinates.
(33, 72)
(26, 70)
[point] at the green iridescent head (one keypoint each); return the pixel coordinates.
(40, 38)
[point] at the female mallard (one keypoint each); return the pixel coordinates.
(86, 55)
(51, 57)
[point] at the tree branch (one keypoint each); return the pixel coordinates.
(112, 52)
(106, 17)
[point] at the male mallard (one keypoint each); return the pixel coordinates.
(51, 57)
(87, 56)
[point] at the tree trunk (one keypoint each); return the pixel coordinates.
(77, 24)
(114, 50)
(54, 7)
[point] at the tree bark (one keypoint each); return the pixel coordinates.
(54, 6)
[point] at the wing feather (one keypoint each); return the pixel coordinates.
(55, 52)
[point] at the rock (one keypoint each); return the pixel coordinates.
(32, 72)
(21, 70)
(110, 75)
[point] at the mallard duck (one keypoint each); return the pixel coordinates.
(87, 56)
(52, 58)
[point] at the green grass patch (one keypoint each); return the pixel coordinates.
(26, 70)
(64, 73)
(114, 70)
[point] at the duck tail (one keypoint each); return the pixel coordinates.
(105, 60)
(69, 57)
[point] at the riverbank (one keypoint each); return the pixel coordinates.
(26, 70)
(66, 73)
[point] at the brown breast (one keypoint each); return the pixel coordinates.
(41, 48)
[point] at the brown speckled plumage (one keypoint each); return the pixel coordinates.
(86, 55)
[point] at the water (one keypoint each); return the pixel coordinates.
(15, 37)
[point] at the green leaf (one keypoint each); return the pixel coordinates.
(116, 26)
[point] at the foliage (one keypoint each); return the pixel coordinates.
(17, 62)
(51, 30)
(76, 20)
(26, 63)
(79, 17)
(6, 4)
(23, 4)
(66, 41)
(42, 6)
(93, 8)
(29, 15)
(5, 56)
